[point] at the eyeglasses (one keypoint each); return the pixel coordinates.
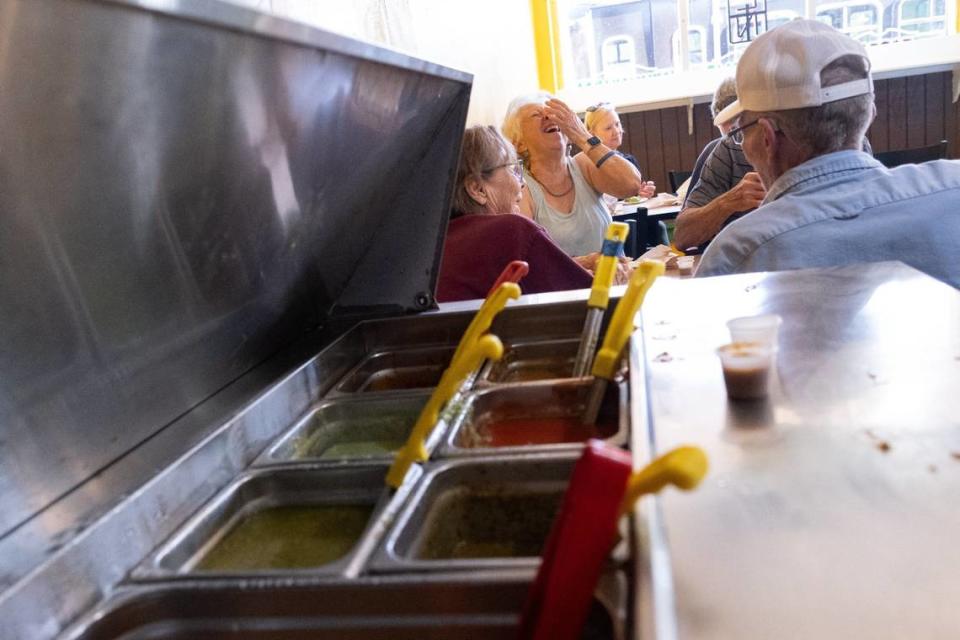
(516, 168)
(736, 134)
(595, 107)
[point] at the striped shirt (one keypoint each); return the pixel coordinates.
(721, 172)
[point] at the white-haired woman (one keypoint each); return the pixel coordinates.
(564, 194)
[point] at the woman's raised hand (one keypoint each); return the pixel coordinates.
(570, 125)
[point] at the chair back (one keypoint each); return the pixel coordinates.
(677, 178)
(891, 159)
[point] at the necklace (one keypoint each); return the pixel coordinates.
(544, 187)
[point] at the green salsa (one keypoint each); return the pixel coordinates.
(289, 537)
(357, 437)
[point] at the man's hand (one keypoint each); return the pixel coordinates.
(747, 194)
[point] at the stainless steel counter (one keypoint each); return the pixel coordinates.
(830, 509)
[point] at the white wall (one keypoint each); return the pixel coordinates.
(492, 39)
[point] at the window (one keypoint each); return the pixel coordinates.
(696, 44)
(614, 42)
(921, 17)
(622, 41)
(618, 57)
(859, 19)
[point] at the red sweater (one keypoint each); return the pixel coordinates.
(478, 247)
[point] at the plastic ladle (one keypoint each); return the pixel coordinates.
(414, 450)
(585, 529)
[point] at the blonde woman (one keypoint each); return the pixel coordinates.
(564, 194)
(603, 121)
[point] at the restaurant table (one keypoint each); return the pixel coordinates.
(830, 509)
(640, 215)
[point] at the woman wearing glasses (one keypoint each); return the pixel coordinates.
(564, 194)
(480, 243)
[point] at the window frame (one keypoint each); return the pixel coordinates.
(679, 86)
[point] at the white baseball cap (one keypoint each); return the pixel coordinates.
(781, 69)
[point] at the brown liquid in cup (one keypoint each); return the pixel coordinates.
(746, 384)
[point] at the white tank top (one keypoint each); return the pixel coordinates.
(581, 231)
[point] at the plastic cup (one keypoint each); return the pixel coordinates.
(746, 369)
(685, 265)
(760, 329)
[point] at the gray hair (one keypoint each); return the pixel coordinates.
(833, 126)
(511, 123)
(483, 148)
(724, 96)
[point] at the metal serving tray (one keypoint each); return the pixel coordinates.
(531, 361)
(398, 370)
(410, 608)
(341, 421)
(494, 478)
(565, 398)
(266, 488)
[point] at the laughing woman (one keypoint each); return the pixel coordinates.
(564, 194)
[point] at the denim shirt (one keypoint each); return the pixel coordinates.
(847, 208)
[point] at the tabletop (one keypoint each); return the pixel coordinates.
(830, 509)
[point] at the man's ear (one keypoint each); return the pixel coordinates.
(771, 141)
(475, 189)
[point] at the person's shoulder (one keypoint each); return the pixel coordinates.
(507, 223)
(741, 239)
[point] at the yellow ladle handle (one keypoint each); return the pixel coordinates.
(607, 265)
(493, 305)
(683, 467)
(487, 347)
(621, 325)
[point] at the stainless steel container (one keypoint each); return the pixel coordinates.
(399, 370)
(563, 399)
(534, 481)
(256, 492)
(529, 361)
(483, 608)
(349, 430)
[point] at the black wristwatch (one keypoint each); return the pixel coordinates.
(593, 141)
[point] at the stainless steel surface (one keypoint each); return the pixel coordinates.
(399, 609)
(829, 510)
(594, 403)
(478, 607)
(541, 474)
(398, 370)
(152, 491)
(588, 343)
(547, 399)
(180, 556)
(526, 361)
(653, 607)
(345, 421)
(187, 188)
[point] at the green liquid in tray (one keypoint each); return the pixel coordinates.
(490, 524)
(289, 537)
(364, 436)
